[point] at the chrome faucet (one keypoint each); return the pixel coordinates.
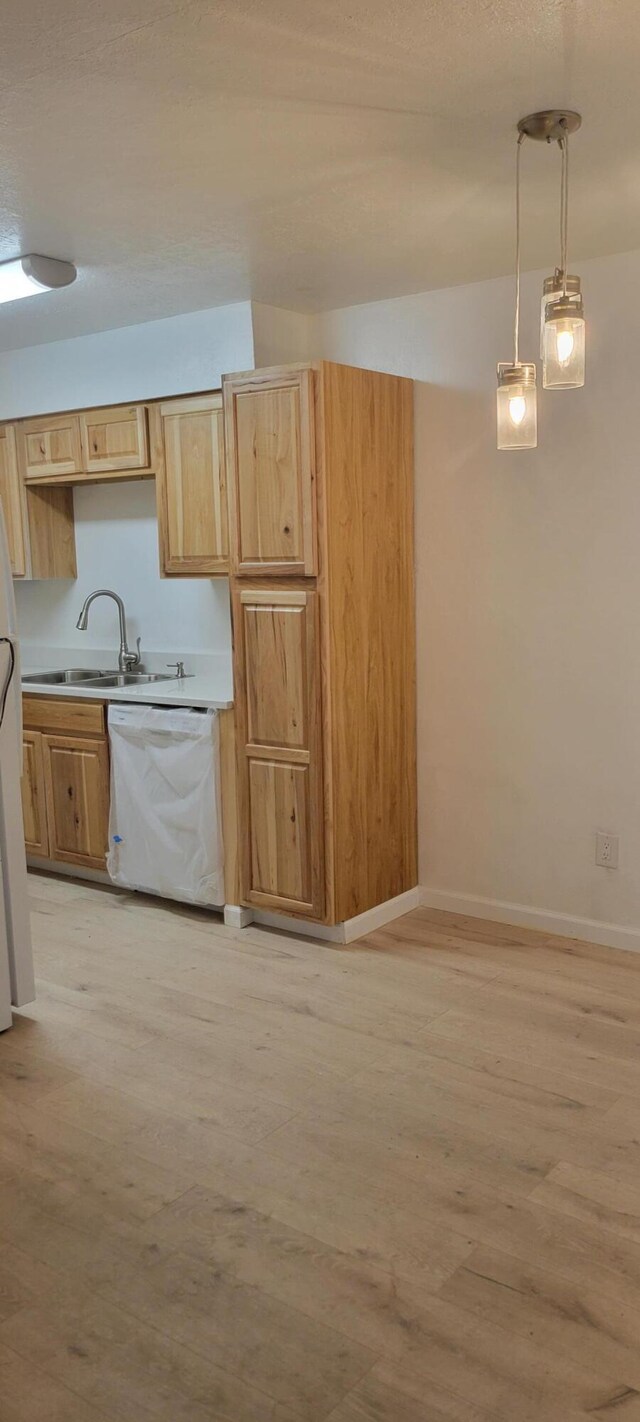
(126, 659)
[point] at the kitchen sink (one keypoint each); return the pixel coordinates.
(94, 679)
(66, 678)
(126, 679)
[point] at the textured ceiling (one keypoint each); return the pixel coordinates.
(309, 155)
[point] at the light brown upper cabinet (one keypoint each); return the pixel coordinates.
(278, 725)
(269, 432)
(11, 495)
(114, 439)
(51, 446)
(192, 488)
(38, 519)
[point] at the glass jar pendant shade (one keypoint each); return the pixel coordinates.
(516, 397)
(562, 334)
(563, 329)
(517, 406)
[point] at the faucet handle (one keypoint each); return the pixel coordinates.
(179, 666)
(133, 658)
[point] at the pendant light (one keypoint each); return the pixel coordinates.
(562, 328)
(516, 395)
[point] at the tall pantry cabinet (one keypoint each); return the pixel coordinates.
(320, 490)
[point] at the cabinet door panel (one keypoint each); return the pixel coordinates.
(51, 446)
(192, 494)
(270, 445)
(13, 506)
(34, 811)
(114, 439)
(77, 782)
(278, 719)
(281, 840)
(279, 643)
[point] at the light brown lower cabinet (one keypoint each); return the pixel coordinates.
(34, 807)
(65, 784)
(77, 785)
(278, 725)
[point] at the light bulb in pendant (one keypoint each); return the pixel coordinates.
(564, 345)
(516, 406)
(517, 409)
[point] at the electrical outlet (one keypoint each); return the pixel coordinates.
(607, 846)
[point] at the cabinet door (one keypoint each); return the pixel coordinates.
(13, 506)
(269, 433)
(34, 811)
(279, 729)
(51, 446)
(192, 488)
(77, 785)
(114, 439)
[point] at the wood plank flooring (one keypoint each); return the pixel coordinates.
(246, 1177)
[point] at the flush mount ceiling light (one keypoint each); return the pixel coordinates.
(562, 325)
(26, 276)
(516, 395)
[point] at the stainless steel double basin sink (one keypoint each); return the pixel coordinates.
(92, 679)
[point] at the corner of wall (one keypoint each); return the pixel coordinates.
(281, 336)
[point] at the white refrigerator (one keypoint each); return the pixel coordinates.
(16, 962)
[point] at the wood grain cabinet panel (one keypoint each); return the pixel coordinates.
(61, 715)
(281, 838)
(279, 647)
(12, 498)
(269, 433)
(279, 771)
(34, 810)
(114, 438)
(51, 446)
(77, 787)
(192, 488)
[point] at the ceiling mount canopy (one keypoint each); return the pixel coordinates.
(550, 125)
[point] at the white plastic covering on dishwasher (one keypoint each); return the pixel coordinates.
(164, 823)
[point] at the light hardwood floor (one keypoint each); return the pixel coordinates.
(250, 1177)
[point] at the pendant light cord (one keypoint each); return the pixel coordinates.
(563, 144)
(516, 323)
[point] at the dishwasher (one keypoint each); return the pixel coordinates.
(165, 822)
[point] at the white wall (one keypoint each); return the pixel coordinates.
(280, 337)
(117, 547)
(116, 529)
(528, 595)
(170, 357)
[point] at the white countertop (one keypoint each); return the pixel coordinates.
(207, 690)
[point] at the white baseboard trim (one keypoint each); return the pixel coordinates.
(382, 913)
(351, 928)
(286, 923)
(235, 916)
(609, 935)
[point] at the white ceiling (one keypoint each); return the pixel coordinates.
(310, 155)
